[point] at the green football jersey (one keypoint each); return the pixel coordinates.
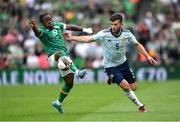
(53, 40)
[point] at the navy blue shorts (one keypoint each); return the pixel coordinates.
(121, 72)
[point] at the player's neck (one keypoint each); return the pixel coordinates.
(116, 34)
(50, 28)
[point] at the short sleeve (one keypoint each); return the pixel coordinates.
(61, 25)
(132, 39)
(64, 26)
(98, 36)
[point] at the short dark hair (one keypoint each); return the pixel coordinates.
(42, 16)
(117, 16)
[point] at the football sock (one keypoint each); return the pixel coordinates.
(73, 67)
(62, 54)
(64, 92)
(133, 97)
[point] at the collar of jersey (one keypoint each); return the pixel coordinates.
(42, 26)
(116, 35)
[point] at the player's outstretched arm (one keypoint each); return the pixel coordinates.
(142, 50)
(78, 28)
(33, 25)
(85, 39)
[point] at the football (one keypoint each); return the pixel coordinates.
(61, 64)
(64, 62)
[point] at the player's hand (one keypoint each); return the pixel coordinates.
(151, 60)
(32, 23)
(67, 61)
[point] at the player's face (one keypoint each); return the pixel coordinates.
(116, 26)
(47, 21)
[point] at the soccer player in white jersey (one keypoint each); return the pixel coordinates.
(113, 41)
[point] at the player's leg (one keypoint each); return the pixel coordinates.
(67, 87)
(133, 86)
(120, 81)
(129, 77)
(130, 94)
(68, 77)
(79, 73)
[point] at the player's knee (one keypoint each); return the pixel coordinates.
(125, 85)
(134, 88)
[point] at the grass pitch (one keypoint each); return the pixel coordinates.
(90, 102)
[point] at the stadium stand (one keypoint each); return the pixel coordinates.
(157, 28)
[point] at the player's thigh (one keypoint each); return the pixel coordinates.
(52, 61)
(118, 78)
(117, 74)
(69, 79)
(54, 58)
(133, 86)
(128, 73)
(129, 77)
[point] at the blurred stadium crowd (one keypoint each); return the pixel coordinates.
(155, 23)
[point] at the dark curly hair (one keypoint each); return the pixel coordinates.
(42, 16)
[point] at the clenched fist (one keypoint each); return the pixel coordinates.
(32, 23)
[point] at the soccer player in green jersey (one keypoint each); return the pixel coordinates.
(50, 34)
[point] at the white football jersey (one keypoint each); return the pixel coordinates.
(114, 47)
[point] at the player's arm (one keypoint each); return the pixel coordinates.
(78, 28)
(142, 50)
(85, 39)
(33, 25)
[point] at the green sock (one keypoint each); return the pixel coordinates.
(62, 54)
(73, 67)
(64, 92)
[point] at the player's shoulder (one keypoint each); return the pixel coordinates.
(125, 30)
(107, 30)
(58, 23)
(104, 31)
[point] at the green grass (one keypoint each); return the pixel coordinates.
(91, 102)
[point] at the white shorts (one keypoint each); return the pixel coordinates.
(52, 62)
